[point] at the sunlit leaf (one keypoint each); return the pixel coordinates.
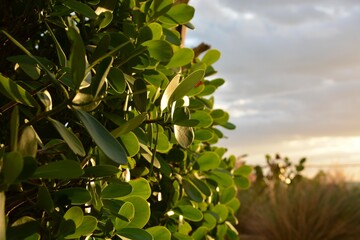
(135, 234)
(181, 57)
(211, 57)
(27, 142)
(159, 233)
(15, 92)
(184, 135)
(208, 161)
(189, 212)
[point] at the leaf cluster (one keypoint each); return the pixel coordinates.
(112, 126)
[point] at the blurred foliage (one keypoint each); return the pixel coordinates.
(108, 126)
(283, 204)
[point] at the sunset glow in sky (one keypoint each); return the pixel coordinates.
(292, 71)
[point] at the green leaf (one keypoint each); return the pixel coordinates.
(129, 125)
(106, 142)
(15, 92)
(24, 228)
(153, 31)
(228, 194)
(192, 191)
(127, 211)
(77, 57)
(140, 188)
(29, 168)
(203, 134)
(203, 117)
(80, 8)
(181, 57)
(60, 52)
(159, 233)
(221, 212)
(101, 171)
(201, 185)
(233, 204)
(200, 233)
(140, 95)
(208, 161)
(189, 212)
(165, 100)
(116, 190)
(44, 199)
(63, 169)
(142, 212)
(87, 226)
(172, 36)
(101, 74)
(243, 170)
(229, 126)
(221, 177)
(116, 79)
(159, 49)
(209, 221)
(184, 135)
(242, 182)
(178, 14)
(75, 214)
(27, 144)
(163, 143)
(105, 19)
(75, 195)
(135, 234)
(211, 57)
(101, 48)
(69, 137)
(186, 85)
(14, 128)
(12, 166)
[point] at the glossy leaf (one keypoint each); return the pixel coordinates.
(75, 214)
(192, 191)
(116, 190)
(159, 233)
(243, 170)
(101, 74)
(153, 31)
(70, 138)
(181, 57)
(221, 212)
(108, 144)
(63, 169)
(222, 178)
(242, 182)
(116, 79)
(208, 161)
(142, 212)
(129, 125)
(159, 49)
(201, 185)
(203, 117)
(184, 135)
(211, 57)
(105, 18)
(127, 211)
(200, 233)
(87, 226)
(140, 188)
(165, 100)
(27, 144)
(189, 212)
(15, 92)
(178, 14)
(186, 85)
(203, 134)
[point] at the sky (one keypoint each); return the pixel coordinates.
(292, 71)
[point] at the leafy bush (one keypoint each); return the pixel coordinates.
(108, 125)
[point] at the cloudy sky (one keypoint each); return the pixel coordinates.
(292, 71)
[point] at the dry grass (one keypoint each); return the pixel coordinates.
(309, 210)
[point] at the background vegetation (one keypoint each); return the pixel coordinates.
(108, 125)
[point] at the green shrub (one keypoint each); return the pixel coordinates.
(108, 125)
